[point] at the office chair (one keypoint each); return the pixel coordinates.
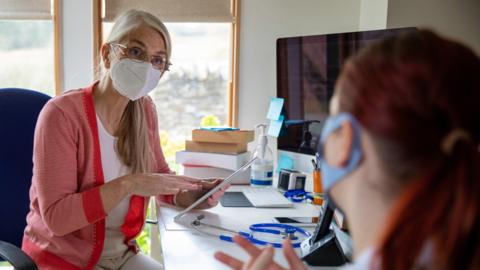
(19, 109)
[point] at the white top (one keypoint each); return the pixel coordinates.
(114, 245)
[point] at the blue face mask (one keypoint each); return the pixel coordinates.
(331, 174)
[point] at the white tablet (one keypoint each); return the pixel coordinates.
(215, 189)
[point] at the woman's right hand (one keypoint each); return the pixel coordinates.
(152, 184)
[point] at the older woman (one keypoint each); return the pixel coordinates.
(401, 157)
(97, 159)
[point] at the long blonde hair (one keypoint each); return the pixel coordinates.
(133, 145)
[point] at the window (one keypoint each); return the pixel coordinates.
(26, 31)
(195, 91)
(195, 88)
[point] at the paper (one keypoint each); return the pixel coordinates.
(284, 162)
(275, 127)
(275, 111)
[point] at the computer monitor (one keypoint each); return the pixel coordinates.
(307, 70)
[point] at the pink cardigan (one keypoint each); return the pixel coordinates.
(66, 223)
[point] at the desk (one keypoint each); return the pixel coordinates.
(184, 248)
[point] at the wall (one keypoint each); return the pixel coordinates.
(76, 44)
(373, 14)
(457, 19)
(262, 22)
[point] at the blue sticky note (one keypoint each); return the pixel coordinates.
(275, 109)
(284, 162)
(275, 127)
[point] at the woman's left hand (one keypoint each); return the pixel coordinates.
(186, 198)
(261, 259)
(208, 185)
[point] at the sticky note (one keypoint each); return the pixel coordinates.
(275, 127)
(284, 162)
(275, 110)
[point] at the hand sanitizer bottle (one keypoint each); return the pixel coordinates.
(262, 168)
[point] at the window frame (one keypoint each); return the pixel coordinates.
(57, 61)
(232, 85)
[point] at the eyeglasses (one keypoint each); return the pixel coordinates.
(137, 54)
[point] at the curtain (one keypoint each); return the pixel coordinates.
(25, 10)
(174, 10)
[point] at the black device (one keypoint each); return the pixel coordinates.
(325, 247)
(290, 179)
(307, 146)
(307, 70)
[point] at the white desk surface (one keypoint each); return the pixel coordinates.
(184, 248)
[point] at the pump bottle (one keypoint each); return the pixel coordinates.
(262, 168)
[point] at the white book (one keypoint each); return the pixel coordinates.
(224, 161)
(212, 172)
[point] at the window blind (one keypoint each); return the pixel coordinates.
(25, 10)
(174, 10)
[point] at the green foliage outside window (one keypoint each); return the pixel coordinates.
(143, 240)
(210, 121)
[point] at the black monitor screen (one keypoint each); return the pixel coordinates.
(307, 69)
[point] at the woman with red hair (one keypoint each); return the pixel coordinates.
(401, 157)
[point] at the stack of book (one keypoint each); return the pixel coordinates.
(216, 154)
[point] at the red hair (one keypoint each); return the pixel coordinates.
(410, 92)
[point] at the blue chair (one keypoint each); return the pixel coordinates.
(19, 109)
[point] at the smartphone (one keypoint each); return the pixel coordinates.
(300, 221)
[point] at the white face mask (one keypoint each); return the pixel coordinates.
(134, 79)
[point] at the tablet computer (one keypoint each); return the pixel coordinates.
(215, 189)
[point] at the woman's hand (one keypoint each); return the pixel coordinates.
(208, 185)
(186, 198)
(261, 259)
(151, 184)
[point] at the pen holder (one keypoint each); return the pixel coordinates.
(317, 188)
